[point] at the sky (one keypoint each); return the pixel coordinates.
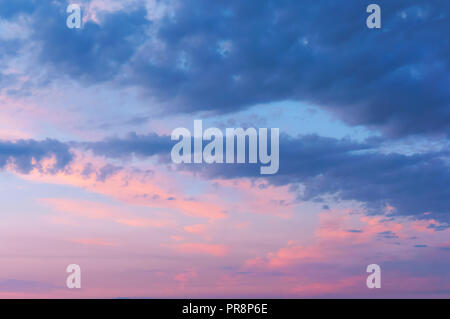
(86, 175)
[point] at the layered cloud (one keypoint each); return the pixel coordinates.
(326, 168)
(224, 56)
(317, 168)
(343, 234)
(26, 155)
(140, 225)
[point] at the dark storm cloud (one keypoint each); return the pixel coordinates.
(222, 56)
(26, 154)
(132, 144)
(395, 79)
(340, 168)
(413, 184)
(94, 53)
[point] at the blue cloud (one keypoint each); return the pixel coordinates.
(341, 168)
(26, 154)
(94, 53)
(222, 56)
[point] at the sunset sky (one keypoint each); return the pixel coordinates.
(86, 175)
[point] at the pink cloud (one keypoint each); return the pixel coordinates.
(261, 197)
(95, 210)
(346, 285)
(133, 187)
(200, 248)
(195, 229)
(145, 222)
(93, 242)
(343, 234)
(184, 277)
